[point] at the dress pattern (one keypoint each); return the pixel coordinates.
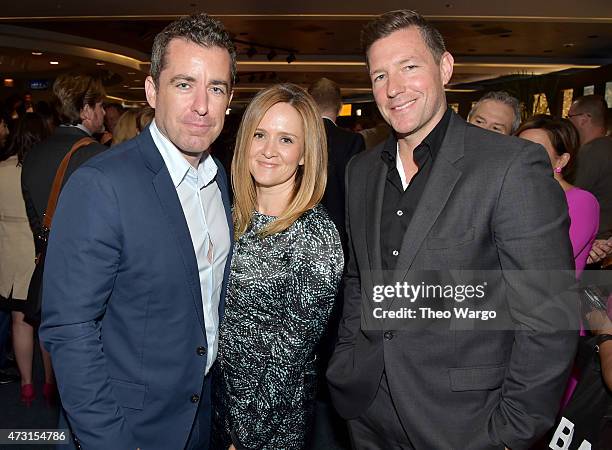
(280, 296)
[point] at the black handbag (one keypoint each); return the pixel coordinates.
(34, 298)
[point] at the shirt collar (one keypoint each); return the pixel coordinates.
(177, 165)
(80, 126)
(330, 119)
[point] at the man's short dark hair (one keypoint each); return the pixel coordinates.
(326, 94)
(199, 29)
(392, 21)
(73, 91)
(593, 105)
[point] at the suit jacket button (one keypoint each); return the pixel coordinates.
(388, 335)
(195, 398)
(201, 351)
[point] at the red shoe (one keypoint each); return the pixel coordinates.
(27, 394)
(50, 393)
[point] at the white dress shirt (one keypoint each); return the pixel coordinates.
(203, 208)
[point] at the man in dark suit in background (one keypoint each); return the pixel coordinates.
(342, 145)
(440, 195)
(138, 260)
(79, 107)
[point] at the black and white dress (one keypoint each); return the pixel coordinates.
(280, 296)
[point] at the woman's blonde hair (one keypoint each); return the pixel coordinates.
(127, 126)
(310, 178)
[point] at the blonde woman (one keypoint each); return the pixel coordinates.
(127, 127)
(285, 271)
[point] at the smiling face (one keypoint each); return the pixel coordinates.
(407, 83)
(192, 95)
(277, 148)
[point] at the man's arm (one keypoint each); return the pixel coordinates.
(531, 231)
(350, 323)
(80, 268)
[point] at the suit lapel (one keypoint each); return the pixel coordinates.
(375, 192)
(442, 179)
(171, 205)
(227, 206)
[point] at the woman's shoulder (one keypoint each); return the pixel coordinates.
(316, 220)
(580, 196)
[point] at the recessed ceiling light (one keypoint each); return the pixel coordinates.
(54, 63)
(99, 64)
(569, 45)
(125, 86)
(136, 81)
(37, 53)
(131, 73)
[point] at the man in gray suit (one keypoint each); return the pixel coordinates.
(440, 195)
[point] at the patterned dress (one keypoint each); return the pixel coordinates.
(280, 296)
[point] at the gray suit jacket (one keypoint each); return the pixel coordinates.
(490, 203)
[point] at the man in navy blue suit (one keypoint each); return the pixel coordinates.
(138, 260)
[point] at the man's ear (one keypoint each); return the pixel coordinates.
(151, 91)
(446, 67)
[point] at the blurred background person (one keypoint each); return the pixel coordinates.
(285, 271)
(112, 114)
(4, 130)
(145, 117)
(496, 111)
(79, 100)
(594, 165)
(560, 140)
(342, 145)
(17, 252)
(126, 127)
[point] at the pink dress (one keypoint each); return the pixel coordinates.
(584, 221)
(584, 216)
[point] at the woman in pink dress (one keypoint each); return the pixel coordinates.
(560, 140)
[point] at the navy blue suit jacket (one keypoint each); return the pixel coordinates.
(122, 308)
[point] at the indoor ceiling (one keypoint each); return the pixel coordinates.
(114, 38)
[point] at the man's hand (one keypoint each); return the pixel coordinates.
(601, 249)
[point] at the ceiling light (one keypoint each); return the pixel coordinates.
(37, 53)
(54, 63)
(131, 73)
(99, 64)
